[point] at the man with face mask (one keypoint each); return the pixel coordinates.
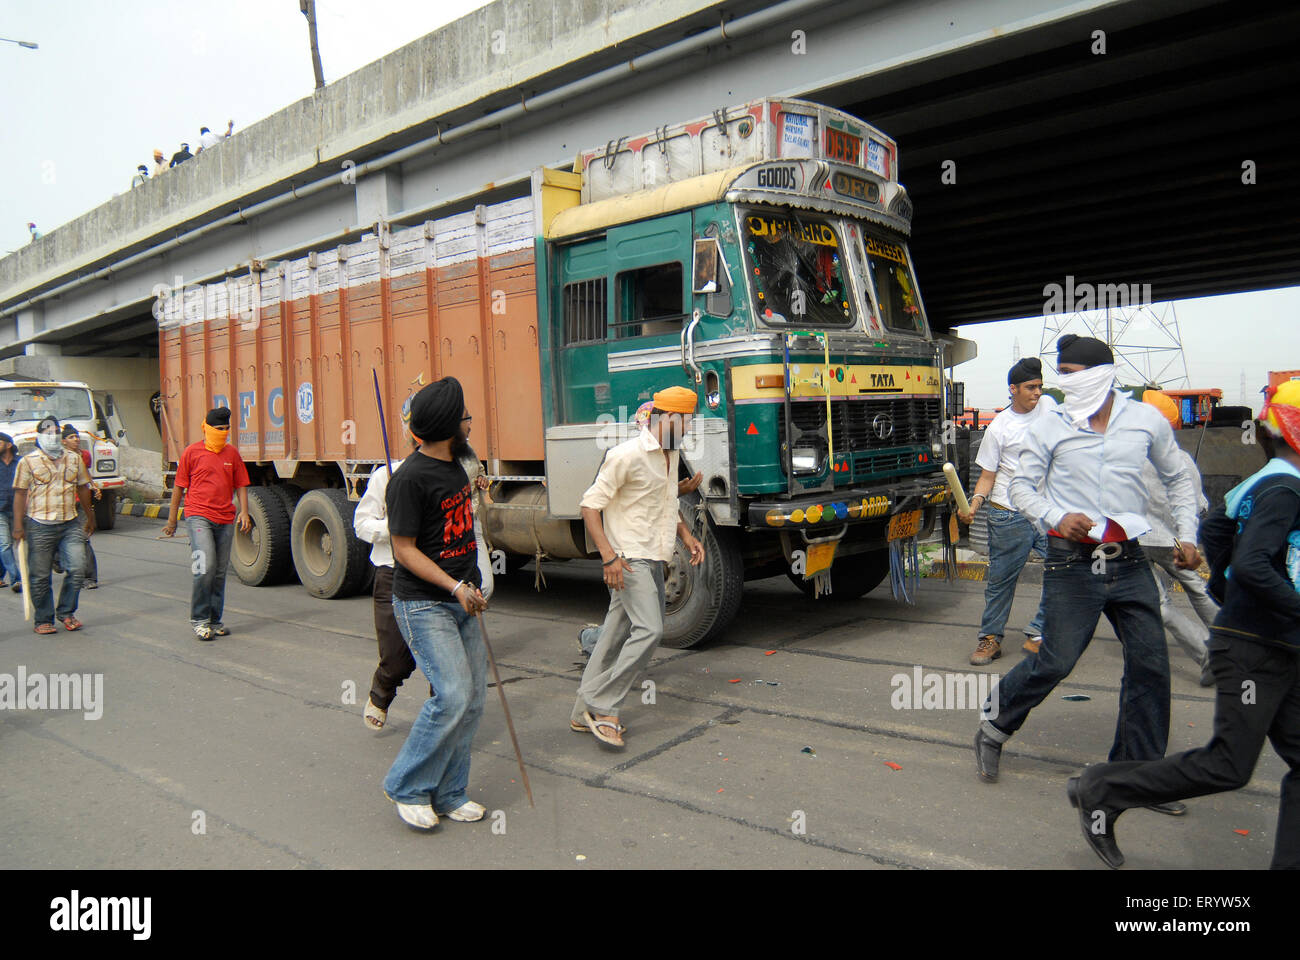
(48, 484)
(210, 473)
(1080, 478)
(631, 516)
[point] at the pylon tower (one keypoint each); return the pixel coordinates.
(1146, 341)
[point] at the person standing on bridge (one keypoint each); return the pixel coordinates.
(180, 156)
(1011, 536)
(631, 515)
(436, 598)
(210, 473)
(48, 484)
(208, 139)
(370, 523)
(1080, 475)
(1253, 544)
(8, 465)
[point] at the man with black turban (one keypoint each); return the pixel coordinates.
(209, 473)
(1011, 536)
(435, 599)
(1080, 479)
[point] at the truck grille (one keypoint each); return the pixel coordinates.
(855, 423)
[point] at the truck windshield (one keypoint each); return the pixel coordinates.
(36, 403)
(796, 268)
(900, 306)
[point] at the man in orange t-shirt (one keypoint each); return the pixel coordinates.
(211, 472)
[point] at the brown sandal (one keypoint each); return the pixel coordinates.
(46, 628)
(72, 623)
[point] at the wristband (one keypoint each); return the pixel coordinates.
(459, 584)
(615, 560)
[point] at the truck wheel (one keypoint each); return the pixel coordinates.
(261, 556)
(851, 577)
(331, 561)
(289, 496)
(106, 511)
(701, 601)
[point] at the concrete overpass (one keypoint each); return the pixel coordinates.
(1122, 166)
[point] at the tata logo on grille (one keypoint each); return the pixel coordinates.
(882, 425)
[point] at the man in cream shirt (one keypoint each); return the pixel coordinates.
(631, 515)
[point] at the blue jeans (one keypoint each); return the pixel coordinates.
(43, 541)
(1011, 539)
(433, 765)
(7, 559)
(209, 557)
(1125, 591)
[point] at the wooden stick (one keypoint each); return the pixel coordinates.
(28, 612)
(510, 724)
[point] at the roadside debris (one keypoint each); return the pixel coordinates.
(1076, 697)
(809, 750)
(892, 765)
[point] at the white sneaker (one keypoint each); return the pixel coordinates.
(467, 812)
(418, 815)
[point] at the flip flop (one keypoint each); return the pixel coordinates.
(579, 727)
(219, 629)
(595, 726)
(46, 628)
(72, 623)
(374, 717)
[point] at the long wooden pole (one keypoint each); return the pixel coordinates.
(510, 724)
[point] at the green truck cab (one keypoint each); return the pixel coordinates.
(759, 257)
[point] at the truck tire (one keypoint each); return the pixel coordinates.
(852, 577)
(330, 559)
(702, 600)
(106, 511)
(261, 556)
(289, 495)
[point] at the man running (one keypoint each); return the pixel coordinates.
(1254, 647)
(1012, 537)
(631, 516)
(1087, 457)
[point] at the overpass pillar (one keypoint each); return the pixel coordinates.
(379, 196)
(43, 350)
(30, 321)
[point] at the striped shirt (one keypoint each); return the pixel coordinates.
(51, 485)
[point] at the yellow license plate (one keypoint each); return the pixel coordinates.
(904, 525)
(820, 557)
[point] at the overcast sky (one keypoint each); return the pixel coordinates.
(113, 79)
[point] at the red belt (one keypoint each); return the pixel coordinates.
(1114, 533)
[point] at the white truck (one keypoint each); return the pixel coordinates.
(23, 404)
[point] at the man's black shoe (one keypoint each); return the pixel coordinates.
(1103, 844)
(987, 754)
(17, 587)
(1173, 808)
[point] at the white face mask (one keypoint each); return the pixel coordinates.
(1086, 391)
(50, 444)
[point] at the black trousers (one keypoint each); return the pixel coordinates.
(395, 660)
(1258, 697)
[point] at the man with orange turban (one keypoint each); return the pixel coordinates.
(1160, 542)
(631, 516)
(1254, 654)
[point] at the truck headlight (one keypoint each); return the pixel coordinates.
(937, 449)
(804, 459)
(105, 466)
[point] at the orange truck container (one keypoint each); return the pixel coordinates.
(291, 347)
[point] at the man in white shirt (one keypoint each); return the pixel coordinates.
(631, 515)
(209, 139)
(370, 522)
(1080, 477)
(1011, 536)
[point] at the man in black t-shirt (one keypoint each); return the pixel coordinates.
(435, 599)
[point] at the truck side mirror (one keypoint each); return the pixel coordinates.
(710, 276)
(121, 434)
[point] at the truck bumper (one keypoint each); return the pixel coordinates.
(849, 505)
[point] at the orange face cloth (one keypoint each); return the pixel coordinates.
(215, 439)
(676, 400)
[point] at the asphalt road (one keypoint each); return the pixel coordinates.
(249, 737)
